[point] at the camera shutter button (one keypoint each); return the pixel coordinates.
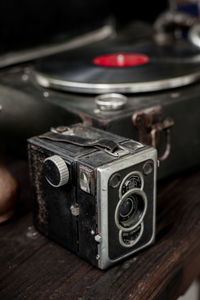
(56, 171)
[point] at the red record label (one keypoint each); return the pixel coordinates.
(121, 60)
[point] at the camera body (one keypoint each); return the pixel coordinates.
(94, 192)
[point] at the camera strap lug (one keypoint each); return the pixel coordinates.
(149, 123)
(121, 151)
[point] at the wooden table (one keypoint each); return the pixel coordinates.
(34, 268)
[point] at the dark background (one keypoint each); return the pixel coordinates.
(24, 24)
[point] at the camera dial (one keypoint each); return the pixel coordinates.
(56, 171)
(131, 210)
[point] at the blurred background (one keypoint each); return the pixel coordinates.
(25, 24)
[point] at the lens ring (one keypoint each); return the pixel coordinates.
(139, 174)
(132, 243)
(124, 197)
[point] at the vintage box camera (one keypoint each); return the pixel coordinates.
(94, 192)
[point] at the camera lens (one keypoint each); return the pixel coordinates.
(126, 208)
(130, 210)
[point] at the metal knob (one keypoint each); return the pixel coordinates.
(56, 171)
(110, 102)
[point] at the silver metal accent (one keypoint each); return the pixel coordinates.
(99, 88)
(25, 77)
(119, 153)
(110, 102)
(98, 238)
(133, 191)
(62, 168)
(127, 176)
(165, 27)
(46, 94)
(194, 35)
(175, 95)
(84, 182)
(103, 175)
(75, 210)
(63, 130)
(158, 163)
(133, 242)
(38, 52)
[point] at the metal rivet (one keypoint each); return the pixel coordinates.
(25, 77)
(98, 238)
(46, 94)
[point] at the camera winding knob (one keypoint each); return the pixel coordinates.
(56, 171)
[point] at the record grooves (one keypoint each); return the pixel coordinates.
(126, 69)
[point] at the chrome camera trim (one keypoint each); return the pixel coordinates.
(133, 242)
(129, 175)
(103, 174)
(133, 191)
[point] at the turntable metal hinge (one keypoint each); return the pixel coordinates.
(149, 123)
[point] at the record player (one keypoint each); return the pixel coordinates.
(126, 83)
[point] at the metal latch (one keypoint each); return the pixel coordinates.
(150, 124)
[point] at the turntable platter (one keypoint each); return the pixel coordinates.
(126, 69)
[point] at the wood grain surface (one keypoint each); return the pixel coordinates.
(31, 267)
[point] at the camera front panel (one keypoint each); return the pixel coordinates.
(130, 209)
(126, 199)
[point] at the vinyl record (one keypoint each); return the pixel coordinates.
(126, 69)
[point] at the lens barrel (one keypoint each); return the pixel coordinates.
(131, 210)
